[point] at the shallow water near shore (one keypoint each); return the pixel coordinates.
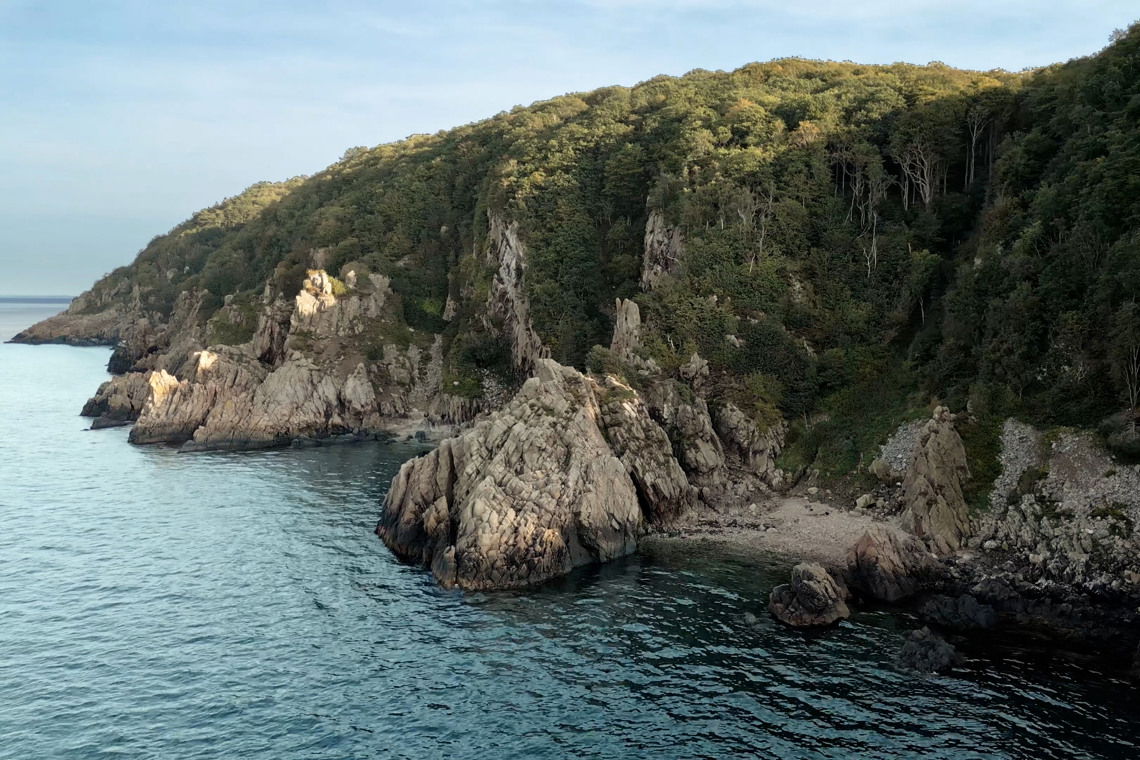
(165, 605)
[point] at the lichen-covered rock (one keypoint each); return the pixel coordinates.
(935, 509)
(555, 479)
(813, 598)
(888, 565)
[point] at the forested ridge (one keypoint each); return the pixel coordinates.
(857, 240)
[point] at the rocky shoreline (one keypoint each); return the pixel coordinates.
(578, 468)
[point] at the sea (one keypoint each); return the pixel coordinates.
(155, 604)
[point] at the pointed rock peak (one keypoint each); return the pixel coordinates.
(936, 509)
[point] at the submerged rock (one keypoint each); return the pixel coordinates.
(813, 598)
(569, 472)
(925, 651)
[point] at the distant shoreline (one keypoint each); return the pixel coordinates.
(36, 299)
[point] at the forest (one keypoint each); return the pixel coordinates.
(858, 240)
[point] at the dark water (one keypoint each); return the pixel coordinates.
(157, 605)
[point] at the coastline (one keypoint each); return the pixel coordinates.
(795, 528)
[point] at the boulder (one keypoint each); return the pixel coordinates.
(934, 507)
(569, 472)
(887, 564)
(813, 598)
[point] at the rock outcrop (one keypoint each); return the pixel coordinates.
(935, 509)
(961, 613)
(338, 358)
(569, 472)
(749, 447)
(96, 318)
(326, 366)
(812, 598)
(1064, 512)
(888, 565)
(119, 401)
(508, 304)
(663, 249)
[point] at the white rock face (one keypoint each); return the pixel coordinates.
(508, 301)
(568, 472)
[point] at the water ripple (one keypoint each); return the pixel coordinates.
(157, 605)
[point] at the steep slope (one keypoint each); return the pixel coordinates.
(836, 244)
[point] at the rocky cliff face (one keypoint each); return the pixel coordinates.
(719, 449)
(664, 247)
(570, 471)
(321, 373)
(932, 489)
(508, 304)
(96, 318)
(335, 359)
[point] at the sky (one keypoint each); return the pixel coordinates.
(120, 118)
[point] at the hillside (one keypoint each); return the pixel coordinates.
(841, 243)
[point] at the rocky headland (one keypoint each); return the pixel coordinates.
(778, 293)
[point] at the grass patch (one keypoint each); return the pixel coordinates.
(853, 422)
(981, 437)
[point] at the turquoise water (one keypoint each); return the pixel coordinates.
(165, 605)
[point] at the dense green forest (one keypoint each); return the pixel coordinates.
(857, 239)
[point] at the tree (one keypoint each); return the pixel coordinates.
(1125, 354)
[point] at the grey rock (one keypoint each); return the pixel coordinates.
(889, 565)
(962, 613)
(935, 509)
(569, 472)
(813, 598)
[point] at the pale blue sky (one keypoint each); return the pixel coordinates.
(122, 117)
